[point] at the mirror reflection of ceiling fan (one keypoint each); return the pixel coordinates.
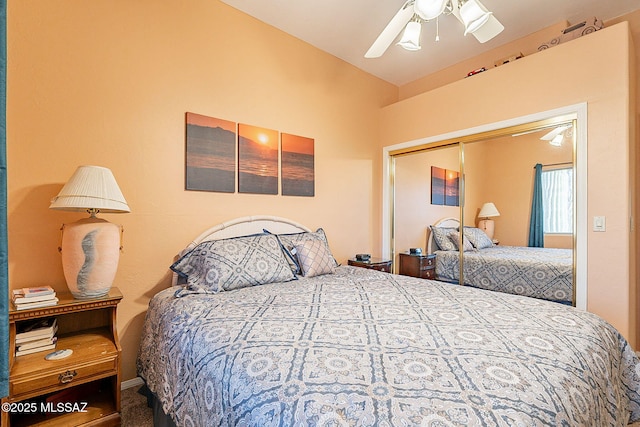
(475, 17)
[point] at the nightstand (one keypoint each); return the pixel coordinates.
(373, 264)
(89, 379)
(422, 266)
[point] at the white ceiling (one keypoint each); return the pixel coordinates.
(347, 28)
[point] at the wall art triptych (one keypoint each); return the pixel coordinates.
(216, 148)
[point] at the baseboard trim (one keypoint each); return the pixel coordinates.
(133, 382)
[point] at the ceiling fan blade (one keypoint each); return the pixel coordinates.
(489, 30)
(391, 31)
(552, 134)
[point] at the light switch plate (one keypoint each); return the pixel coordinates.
(599, 223)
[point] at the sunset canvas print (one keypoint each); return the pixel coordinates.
(437, 185)
(210, 154)
(257, 160)
(297, 166)
(452, 193)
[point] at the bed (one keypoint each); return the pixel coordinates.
(360, 347)
(545, 273)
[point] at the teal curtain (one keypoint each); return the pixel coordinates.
(536, 223)
(4, 270)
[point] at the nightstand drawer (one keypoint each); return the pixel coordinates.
(38, 384)
(427, 262)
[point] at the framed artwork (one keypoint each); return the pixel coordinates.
(257, 160)
(210, 154)
(437, 185)
(297, 166)
(452, 188)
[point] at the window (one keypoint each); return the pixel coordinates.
(557, 201)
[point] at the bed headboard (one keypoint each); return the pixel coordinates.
(243, 226)
(448, 222)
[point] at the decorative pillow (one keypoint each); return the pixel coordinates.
(455, 240)
(477, 237)
(289, 242)
(223, 265)
(441, 237)
(315, 258)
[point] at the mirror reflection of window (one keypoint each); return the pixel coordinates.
(557, 201)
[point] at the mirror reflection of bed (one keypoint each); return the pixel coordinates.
(538, 272)
(498, 170)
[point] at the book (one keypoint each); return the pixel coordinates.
(35, 350)
(19, 298)
(36, 343)
(36, 291)
(43, 335)
(38, 327)
(38, 304)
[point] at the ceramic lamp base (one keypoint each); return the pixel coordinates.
(488, 226)
(90, 253)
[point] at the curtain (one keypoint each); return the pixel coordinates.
(536, 223)
(4, 270)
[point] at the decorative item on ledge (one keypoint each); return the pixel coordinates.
(488, 210)
(91, 246)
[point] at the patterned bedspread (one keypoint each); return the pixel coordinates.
(365, 348)
(545, 273)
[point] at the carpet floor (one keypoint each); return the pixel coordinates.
(135, 412)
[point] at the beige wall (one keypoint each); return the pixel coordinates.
(108, 83)
(593, 69)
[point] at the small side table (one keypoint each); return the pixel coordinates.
(373, 264)
(422, 266)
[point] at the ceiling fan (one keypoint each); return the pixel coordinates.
(475, 17)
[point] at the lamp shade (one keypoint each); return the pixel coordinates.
(488, 210)
(91, 188)
(411, 37)
(429, 9)
(474, 15)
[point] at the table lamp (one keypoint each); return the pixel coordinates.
(91, 246)
(488, 210)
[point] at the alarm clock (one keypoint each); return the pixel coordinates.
(363, 257)
(415, 251)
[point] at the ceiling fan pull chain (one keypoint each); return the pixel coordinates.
(437, 29)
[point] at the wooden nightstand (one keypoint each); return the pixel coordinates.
(90, 375)
(373, 264)
(422, 266)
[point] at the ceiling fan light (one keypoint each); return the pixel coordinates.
(411, 37)
(474, 15)
(429, 9)
(557, 140)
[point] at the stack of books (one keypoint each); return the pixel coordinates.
(41, 296)
(37, 335)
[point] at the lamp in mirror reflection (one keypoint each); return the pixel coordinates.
(486, 224)
(91, 246)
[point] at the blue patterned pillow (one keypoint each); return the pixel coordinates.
(289, 242)
(455, 239)
(315, 258)
(223, 265)
(441, 237)
(477, 237)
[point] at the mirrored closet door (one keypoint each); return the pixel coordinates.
(496, 175)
